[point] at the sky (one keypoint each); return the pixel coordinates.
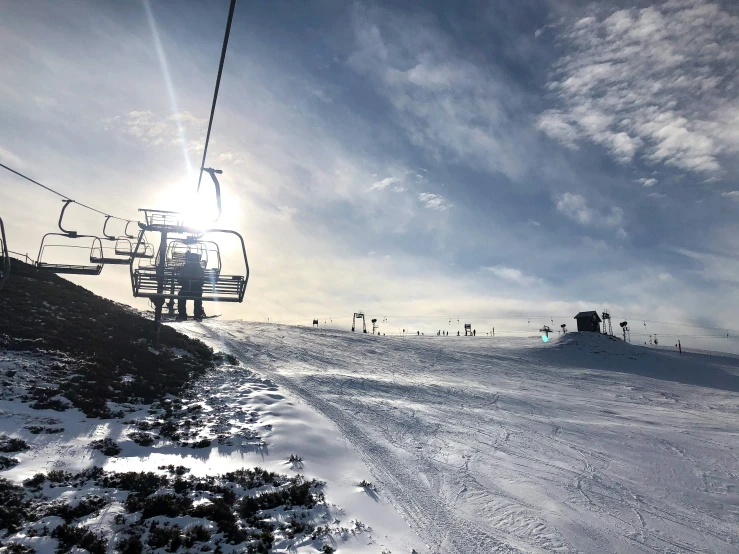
(419, 161)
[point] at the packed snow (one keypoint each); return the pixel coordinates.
(463, 445)
(583, 444)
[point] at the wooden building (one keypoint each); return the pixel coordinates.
(588, 322)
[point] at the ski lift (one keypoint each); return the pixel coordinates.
(102, 254)
(4, 256)
(124, 246)
(162, 280)
(94, 268)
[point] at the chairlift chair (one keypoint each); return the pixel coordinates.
(94, 268)
(124, 246)
(4, 256)
(162, 279)
(102, 254)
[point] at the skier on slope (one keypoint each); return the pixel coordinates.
(190, 277)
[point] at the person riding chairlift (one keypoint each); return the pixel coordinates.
(190, 278)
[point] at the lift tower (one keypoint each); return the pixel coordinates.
(359, 315)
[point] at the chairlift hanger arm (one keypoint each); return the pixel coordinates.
(125, 231)
(67, 202)
(212, 172)
(105, 226)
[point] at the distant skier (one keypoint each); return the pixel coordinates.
(474, 332)
(457, 333)
(190, 277)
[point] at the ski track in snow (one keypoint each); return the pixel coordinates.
(507, 445)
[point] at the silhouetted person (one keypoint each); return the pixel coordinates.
(190, 278)
(474, 332)
(457, 333)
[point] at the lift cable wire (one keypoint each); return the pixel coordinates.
(218, 85)
(64, 196)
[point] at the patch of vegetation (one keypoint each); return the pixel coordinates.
(366, 484)
(295, 528)
(295, 459)
(35, 481)
(130, 545)
(142, 439)
(178, 470)
(161, 536)
(39, 429)
(167, 505)
(88, 505)
(101, 354)
(254, 478)
(70, 536)
(328, 549)
(235, 513)
(107, 446)
(141, 483)
(196, 534)
(15, 506)
(7, 463)
(12, 444)
(298, 493)
(47, 398)
(202, 443)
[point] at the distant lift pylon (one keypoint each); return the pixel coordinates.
(359, 315)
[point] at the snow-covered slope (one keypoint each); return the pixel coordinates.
(584, 444)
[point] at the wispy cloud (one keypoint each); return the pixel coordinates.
(575, 207)
(384, 183)
(434, 201)
(513, 275)
(153, 130)
(648, 181)
(653, 83)
(453, 108)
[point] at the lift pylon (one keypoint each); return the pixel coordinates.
(359, 315)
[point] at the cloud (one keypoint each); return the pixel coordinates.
(575, 207)
(434, 201)
(656, 195)
(152, 130)
(513, 275)
(731, 194)
(286, 213)
(7, 157)
(383, 184)
(453, 108)
(652, 83)
(647, 182)
(622, 234)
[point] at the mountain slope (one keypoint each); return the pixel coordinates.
(102, 350)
